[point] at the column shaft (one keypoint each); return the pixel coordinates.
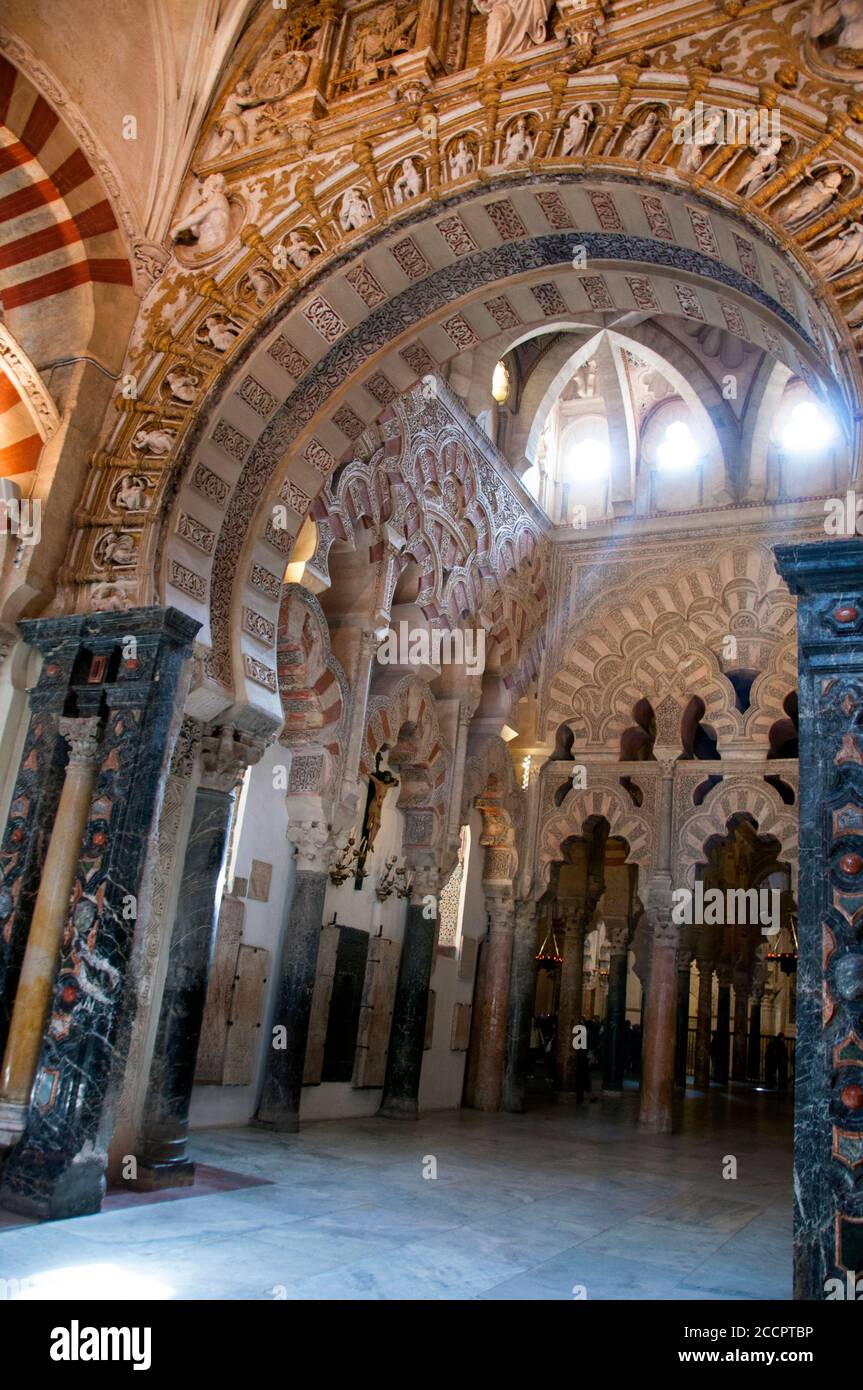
(657, 1084)
(702, 1026)
(407, 1035)
(753, 1061)
(682, 1032)
(723, 1033)
(494, 1005)
(570, 1011)
(279, 1107)
(39, 969)
(163, 1157)
(613, 1038)
(739, 1051)
(522, 993)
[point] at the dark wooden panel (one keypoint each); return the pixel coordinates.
(345, 1004)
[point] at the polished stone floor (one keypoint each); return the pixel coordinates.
(558, 1203)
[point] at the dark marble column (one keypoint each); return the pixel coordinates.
(522, 995)
(410, 1006)
(571, 1004)
(723, 1026)
(753, 1061)
(684, 963)
(741, 1017)
(279, 1106)
(613, 1036)
(828, 1114)
(163, 1159)
(129, 667)
(703, 1020)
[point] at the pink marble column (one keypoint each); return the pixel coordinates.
(494, 1004)
(657, 1082)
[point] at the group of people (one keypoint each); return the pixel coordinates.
(544, 1055)
(776, 1062)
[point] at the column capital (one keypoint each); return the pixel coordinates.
(226, 752)
(500, 907)
(313, 845)
(525, 914)
(619, 933)
(82, 736)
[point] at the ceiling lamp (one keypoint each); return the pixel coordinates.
(678, 448)
(809, 428)
(548, 954)
(784, 950)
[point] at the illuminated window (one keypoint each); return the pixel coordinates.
(809, 427)
(451, 901)
(589, 458)
(678, 448)
(500, 383)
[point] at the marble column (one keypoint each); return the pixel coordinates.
(36, 984)
(570, 1008)
(131, 666)
(410, 1006)
(741, 1018)
(163, 1159)
(493, 1007)
(827, 578)
(753, 1059)
(703, 1021)
(613, 1037)
(522, 994)
(660, 1014)
(279, 1106)
(723, 1025)
(684, 966)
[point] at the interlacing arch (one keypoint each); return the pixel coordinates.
(742, 794)
(571, 819)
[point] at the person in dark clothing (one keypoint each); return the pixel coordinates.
(776, 1062)
(714, 1055)
(582, 1074)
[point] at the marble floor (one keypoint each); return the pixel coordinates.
(558, 1203)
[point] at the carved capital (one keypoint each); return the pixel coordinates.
(226, 752)
(82, 736)
(501, 910)
(313, 845)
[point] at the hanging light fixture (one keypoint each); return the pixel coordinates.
(784, 951)
(549, 955)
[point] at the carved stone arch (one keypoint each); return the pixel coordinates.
(404, 718)
(577, 808)
(749, 794)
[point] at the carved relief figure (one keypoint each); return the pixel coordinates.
(387, 32)
(811, 199)
(131, 492)
(577, 129)
(208, 225)
(116, 550)
(409, 183)
(219, 332)
(706, 134)
(158, 442)
(261, 284)
(842, 252)
(512, 25)
(518, 144)
(638, 140)
(298, 251)
(237, 126)
(762, 168)
(355, 211)
(182, 384)
(840, 24)
(462, 161)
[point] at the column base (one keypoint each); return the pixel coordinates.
(13, 1122)
(155, 1177)
(396, 1109)
(611, 1095)
(660, 1125)
(77, 1189)
(284, 1124)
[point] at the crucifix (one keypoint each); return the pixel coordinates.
(380, 782)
